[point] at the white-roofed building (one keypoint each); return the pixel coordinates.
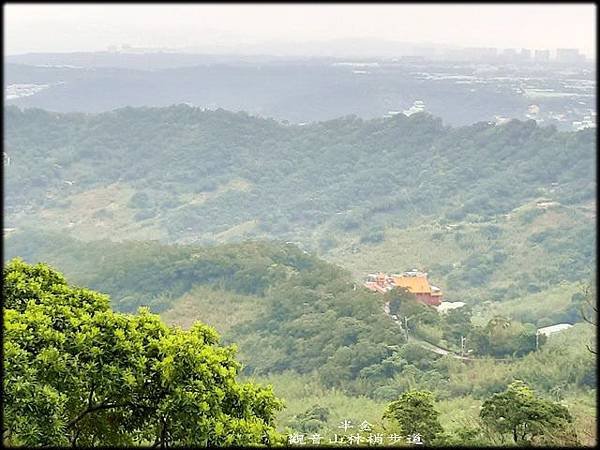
(447, 306)
(547, 331)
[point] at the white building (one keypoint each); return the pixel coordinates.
(547, 331)
(417, 107)
(447, 306)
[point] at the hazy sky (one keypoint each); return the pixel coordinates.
(76, 27)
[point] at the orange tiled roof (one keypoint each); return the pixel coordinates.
(415, 285)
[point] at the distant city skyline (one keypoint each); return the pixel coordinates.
(370, 49)
(287, 29)
(405, 49)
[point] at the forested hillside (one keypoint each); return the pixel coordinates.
(291, 226)
(390, 168)
(307, 327)
(291, 311)
(502, 217)
(493, 212)
(287, 310)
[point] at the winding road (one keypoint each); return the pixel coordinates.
(432, 347)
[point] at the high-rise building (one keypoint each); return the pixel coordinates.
(525, 54)
(542, 55)
(509, 54)
(484, 53)
(568, 55)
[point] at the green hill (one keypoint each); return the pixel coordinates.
(492, 212)
(305, 326)
(197, 173)
(527, 255)
(285, 309)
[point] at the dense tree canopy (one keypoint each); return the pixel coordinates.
(415, 412)
(502, 337)
(526, 418)
(181, 174)
(390, 170)
(315, 318)
(83, 370)
(77, 373)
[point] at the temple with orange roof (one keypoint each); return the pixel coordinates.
(414, 281)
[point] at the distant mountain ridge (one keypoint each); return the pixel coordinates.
(298, 89)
